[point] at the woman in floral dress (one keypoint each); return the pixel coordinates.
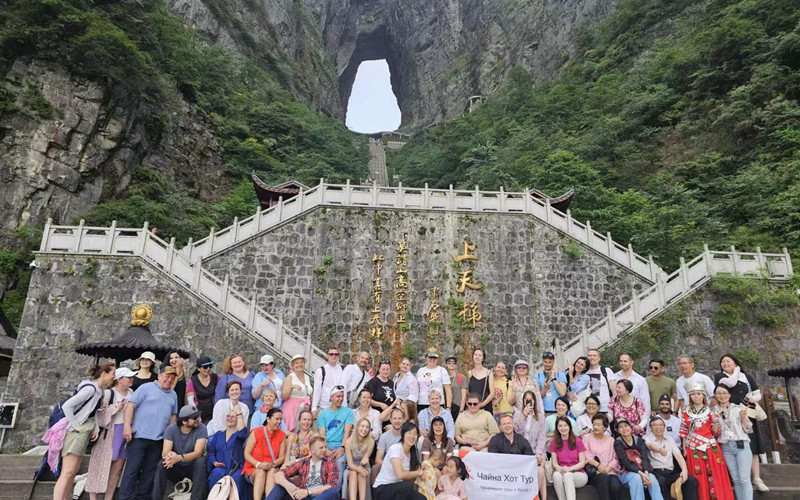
(703, 454)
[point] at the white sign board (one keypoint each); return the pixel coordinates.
(493, 476)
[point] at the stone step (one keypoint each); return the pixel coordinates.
(19, 490)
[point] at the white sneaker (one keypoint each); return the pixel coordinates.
(759, 484)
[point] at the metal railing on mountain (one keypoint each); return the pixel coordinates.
(140, 242)
(401, 197)
(655, 300)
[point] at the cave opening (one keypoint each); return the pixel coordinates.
(372, 106)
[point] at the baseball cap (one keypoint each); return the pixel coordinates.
(267, 359)
(432, 353)
(189, 411)
(203, 361)
(123, 372)
(337, 388)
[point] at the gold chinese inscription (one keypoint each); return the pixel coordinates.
(375, 325)
(469, 312)
(401, 284)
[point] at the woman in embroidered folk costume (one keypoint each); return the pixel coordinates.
(700, 427)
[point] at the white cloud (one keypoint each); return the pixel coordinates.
(372, 106)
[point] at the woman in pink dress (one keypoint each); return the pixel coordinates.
(451, 484)
(296, 392)
(625, 405)
(703, 454)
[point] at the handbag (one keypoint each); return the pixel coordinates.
(634, 457)
(756, 412)
(183, 490)
(591, 470)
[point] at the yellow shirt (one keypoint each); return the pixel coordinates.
(501, 405)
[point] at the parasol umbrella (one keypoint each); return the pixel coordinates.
(136, 339)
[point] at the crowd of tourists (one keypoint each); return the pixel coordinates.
(359, 432)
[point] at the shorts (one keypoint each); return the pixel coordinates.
(77, 442)
(119, 444)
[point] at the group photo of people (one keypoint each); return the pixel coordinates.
(365, 431)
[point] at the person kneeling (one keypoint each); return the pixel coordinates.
(315, 476)
(182, 454)
(633, 458)
(662, 450)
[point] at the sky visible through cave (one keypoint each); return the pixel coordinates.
(372, 106)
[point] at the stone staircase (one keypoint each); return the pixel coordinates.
(377, 162)
(16, 480)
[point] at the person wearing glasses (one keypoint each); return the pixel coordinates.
(335, 423)
(659, 384)
(201, 387)
(475, 426)
(325, 379)
(552, 382)
(672, 424)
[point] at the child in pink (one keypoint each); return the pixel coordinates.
(451, 484)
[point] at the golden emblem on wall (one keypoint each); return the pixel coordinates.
(141, 314)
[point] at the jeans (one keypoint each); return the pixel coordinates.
(566, 482)
(140, 468)
(402, 490)
(633, 482)
(607, 486)
(738, 461)
(194, 470)
(280, 493)
(341, 463)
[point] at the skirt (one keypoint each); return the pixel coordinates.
(291, 407)
(77, 442)
(119, 444)
(709, 468)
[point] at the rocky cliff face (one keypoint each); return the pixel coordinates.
(67, 142)
(439, 53)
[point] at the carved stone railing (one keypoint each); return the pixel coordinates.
(401, 197)
(140, 242)
(648, 304)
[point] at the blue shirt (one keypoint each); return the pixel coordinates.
(549, 399)
(154, 407)
(261, 377)
(334, 423)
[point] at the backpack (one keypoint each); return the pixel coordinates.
(58, 411)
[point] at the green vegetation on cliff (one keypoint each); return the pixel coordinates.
(149, 59)
(678, 124)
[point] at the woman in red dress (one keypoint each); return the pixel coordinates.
(703, 454)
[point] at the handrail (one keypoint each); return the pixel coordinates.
(425, 198)
(141, 242)
(654, 300)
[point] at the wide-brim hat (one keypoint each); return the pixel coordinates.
(296, 357)
(147, 355)
(520, 362)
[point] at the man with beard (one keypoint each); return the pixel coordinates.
(182, 454)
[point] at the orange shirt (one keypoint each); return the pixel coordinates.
(261, 450)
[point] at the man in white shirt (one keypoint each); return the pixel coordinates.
(640, 389)
(672, 423)
(686, 366)
(433, 376)
(355, 377)
(602, 379)
(325, 379)
(662, 450)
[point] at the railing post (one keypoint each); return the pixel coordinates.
(170, 255)
(788, 262)
(762, 262)
(584, 337)
(46, 234)
(79, 237)
(191, 248)
(502, 199)
(684, 275)
(425, 197)
(631, 256)
(348, 192)
(235, 229)
(547, 210)
(374, 202)
(279, 334)
(198, 270)
(145, 237)
(223, 295)
(280, 208)
(589, 233)
(527, 196)
(301, 198)
(399, 195)
(251, 312)
(257, 219)
(637, 313)
(662, 300)
(569, 222)
(709, 260)
(612, 324)
(210, 243)
(451, 199)
(734, 259)
(112, 233)
(652, 266)
(610, 244)
(476, 202)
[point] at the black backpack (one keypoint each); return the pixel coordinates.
(58, 411)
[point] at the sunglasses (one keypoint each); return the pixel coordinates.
(548, 355)
(473, 404)
(333, 354)
(655, 367)
(386, 362)
(206, 367)
(338, 388)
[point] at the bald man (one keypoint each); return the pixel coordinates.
(356, 377)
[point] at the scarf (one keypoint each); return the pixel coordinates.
(264, 409)
(734, 378)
